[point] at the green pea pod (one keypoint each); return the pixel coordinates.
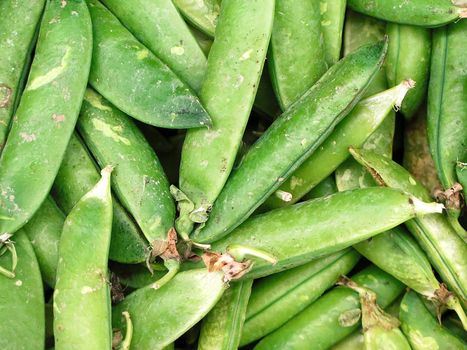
(278, 298)
(44, 231)
(290, 140)
(222, 327)
(423, 13)
(461, 171)
(82, 295)
(297, 234)
(22, 301)
(137, 275)
(409, 55)
(446, 251)
(265, 99)
(204, 41)
(447, 112)
(160, 27)
(333, 316)
(234, 69)
(76, 176)
(174, 307)
(421, 328)
(17, 38)
(296, 52)
(139, 181)
(354, 341)
(47, 113)
(332, 23)
(324, 188)
(202, 14)
(364, 119)
(454, 325)
(137, 82)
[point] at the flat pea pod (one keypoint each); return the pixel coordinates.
(160, 27)
(299, 233)
(203, 15)
(126, 73)
(324, 188)
(296, 52)
(222, 327)
(361, 122)
(422, 329)
(446, 251)
(409, 55)
(17, 38)
(290, 140)
(47, 113)
(423, 13)
(332, 24)
(44, 231)
(76, 176)
(278, 298)
(139, 180)
(82, 297)
(176, 307)
(333, 316)
(22, 320)
(234, 69)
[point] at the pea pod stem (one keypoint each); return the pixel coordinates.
(240, 252)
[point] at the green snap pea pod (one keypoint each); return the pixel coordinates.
(162, 315)
(290, 140)
(454, 325)
(333, 316)
(422, 329)
(82, 295)
(76, 176)
(160, 27)
(354, 341)
(265, 99)
(324, 188)
(137, 82)
(446, 251)
(204, 41)
(44, 231)
(409, 55)
(137, 275)
(424, 13)
(17, 37)
(222, 327)
(296, 52)
(202, 14)
(22, 320)
(47, 113)
(139, 180)
(461, 171)
(234, 69)
(364, 119)
(297, 234)
(278, 298)
(332, 23)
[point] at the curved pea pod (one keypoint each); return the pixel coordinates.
(234, 70)
(280, 297)
(126, 73)
(76, 176)
(222, 327)
(364, 119)
(296, 52)
(324, 188)
(332, 24)
(44, 231)
(409, 55)
(446, 251)
(47, 113)
(203, 14)
(18, 27)
(160, 27)
(333, 316)
(290, 140)
(178, 305)
(423, 13)
(82, 295)
(297, 234)
(421, 328)
(139, 180)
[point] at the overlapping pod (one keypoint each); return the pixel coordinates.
(82, 317)
(126, 73)
(47, 113)
(19, 24)
(324, 188)
(202, 14)
(332, 24)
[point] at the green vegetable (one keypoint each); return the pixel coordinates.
(332, 22)
(202, 14)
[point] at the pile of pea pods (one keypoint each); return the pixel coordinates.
(216, 175)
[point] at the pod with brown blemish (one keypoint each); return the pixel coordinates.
(202, 14)
(461, 170)
(332, 25)
(81, 298)
(47, 114)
